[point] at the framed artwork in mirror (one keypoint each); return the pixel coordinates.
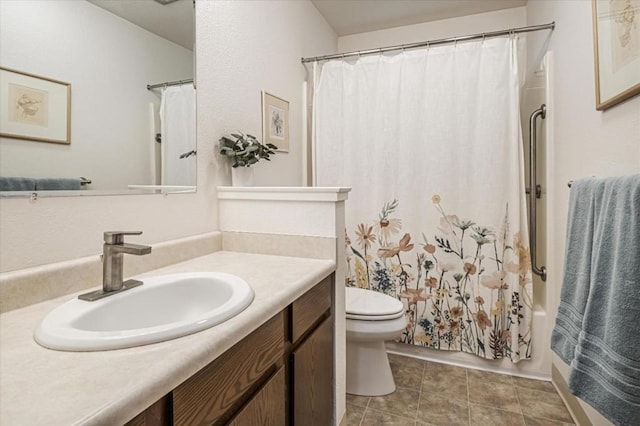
(34, 108)
(616, 39)
(275, 121)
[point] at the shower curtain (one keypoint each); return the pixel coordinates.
(178, 123)
(430, 142)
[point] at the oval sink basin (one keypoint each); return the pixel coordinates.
(163, 308)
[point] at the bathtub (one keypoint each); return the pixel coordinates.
(537, 367)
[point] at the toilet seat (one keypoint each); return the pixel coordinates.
(374, 317)
(368, 305)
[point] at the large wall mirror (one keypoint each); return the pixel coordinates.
(96, 59)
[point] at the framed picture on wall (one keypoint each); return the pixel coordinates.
(616, 39)
(34, 108)
(275, 121)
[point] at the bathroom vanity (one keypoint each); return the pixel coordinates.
(282, 373)
(271, 364)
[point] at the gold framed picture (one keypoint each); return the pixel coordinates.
(616, 40)
(275, 121)
(34, 108)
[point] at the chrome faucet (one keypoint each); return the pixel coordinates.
(114, 249)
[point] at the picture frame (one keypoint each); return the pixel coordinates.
(616, 40)
(34, 108)
(275, 121)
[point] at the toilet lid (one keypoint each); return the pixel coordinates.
(371, 305)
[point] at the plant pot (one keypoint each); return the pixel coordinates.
(242, 176)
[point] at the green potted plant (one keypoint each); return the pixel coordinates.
(244, 150)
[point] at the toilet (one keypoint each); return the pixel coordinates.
(372, 318)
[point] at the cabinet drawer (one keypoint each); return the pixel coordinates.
(267, 407)
(310, 307)
(214, 392)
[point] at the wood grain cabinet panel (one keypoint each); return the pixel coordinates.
(267, 407)
(310, 307)
(279, 375)
(159, 414)
(313, 378)
(217, 390)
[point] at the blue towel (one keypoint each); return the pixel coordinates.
(57, 184)
(585, 195)
(17, 184)
(597, 329)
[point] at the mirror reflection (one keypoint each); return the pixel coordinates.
(128, 67)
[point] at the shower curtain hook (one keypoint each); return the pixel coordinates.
(483, 36)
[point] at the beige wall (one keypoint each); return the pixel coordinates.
(255, 46)
(585, 142)
(242, 48)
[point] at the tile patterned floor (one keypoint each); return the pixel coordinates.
(435, 394)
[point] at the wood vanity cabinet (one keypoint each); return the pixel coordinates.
(312, 379)
(311, 359)
(281, 374)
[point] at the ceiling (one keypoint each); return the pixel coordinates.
(357, 16)
(174, 21)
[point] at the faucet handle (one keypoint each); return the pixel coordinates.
(117, 237)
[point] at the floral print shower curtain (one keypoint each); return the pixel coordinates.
(430, 142)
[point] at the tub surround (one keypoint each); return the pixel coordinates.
(112, 387)
(33, 285)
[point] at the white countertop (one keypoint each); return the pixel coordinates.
(43, 386)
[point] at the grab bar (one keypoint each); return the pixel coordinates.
(538, 191)
(541, 112)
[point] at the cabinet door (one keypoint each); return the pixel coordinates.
(213, 395)
(159, 414)
(267, 407)
(312, 397)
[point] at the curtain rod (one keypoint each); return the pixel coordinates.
(429, 43)
(169, 83)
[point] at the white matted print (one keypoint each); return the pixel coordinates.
(275, 121)
(34, 108)
(616, 37)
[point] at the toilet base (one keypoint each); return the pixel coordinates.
(368, 369)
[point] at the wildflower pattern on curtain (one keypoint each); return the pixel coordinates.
(465, 287)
